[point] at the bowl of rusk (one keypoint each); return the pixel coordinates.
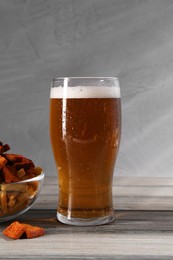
(20, 183)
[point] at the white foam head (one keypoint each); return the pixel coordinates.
(85, 92)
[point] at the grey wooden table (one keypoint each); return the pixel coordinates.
(143, 228)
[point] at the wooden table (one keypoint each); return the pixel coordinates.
(143, 228)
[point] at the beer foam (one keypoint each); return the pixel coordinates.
(85, 92)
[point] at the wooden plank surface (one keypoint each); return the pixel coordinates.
(129, 193)
(135, 234)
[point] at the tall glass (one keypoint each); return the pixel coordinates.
(85, 129)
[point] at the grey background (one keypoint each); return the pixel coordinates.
(131, 39)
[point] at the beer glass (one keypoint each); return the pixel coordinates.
(85, 129)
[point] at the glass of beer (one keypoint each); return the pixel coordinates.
(85, 129)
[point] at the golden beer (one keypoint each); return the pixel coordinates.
(85, 135)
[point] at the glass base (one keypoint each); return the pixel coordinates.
(85, 221)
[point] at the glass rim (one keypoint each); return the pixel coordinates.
(85, 87)
(99, 78)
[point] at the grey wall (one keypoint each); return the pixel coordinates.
(133, 39)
